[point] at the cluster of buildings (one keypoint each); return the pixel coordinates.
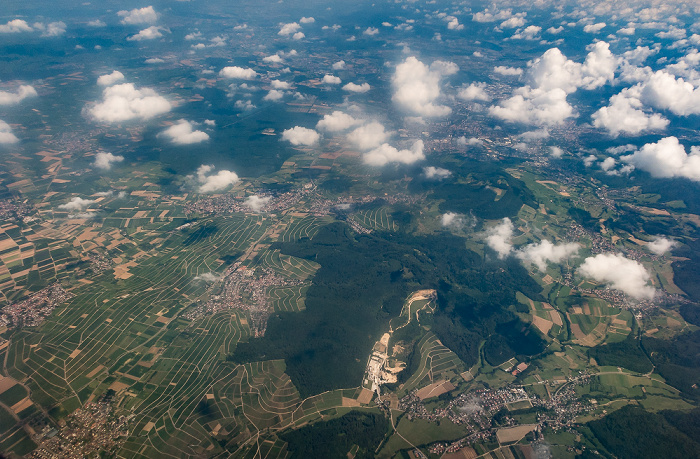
(9, 209)
(91, 431)
(245, 289)
(32, 311)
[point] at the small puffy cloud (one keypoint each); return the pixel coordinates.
(594, 28)
(239, 73)
(626, 115)
(150, 33)
(244, 105)
(6, 135)
(513, 22)
(488, 16)
(417, 86)
(256, 203)
(298, 36)
(15, 26)
(12, 98)
(96, 23)
(357, 88)
(340, 65)
(470, 142)
(193, 36)
(667, 158)
(556, 152)
(619, 273)
(528, 33)
(371, 31)
(451, 219)
(385, 154)
(474, 91)
(453, 23)
(52, 29)
(555, 30)
(539, 134)
(627, 31)
(539, 254)
(438, 173)
(369, 136)
(207, 277)
(110, 78)
(273, 59)
(331, 79)
(306, 20)
(182, 133)
(300, 136)
(146, 15)
(105, 160)
(336, 121)
(289, 29)
(499, 238)
(209, 182)
(277, 84)
(123, 102)
(661, 245)
(77, 204)
(509, 71)
(674, 33)
(274, 95)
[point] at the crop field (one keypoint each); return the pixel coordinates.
(437, 362)
(290, 299)
(378, 219)
(288, 266)
(302, 227)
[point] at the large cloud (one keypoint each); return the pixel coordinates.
(336, 121)
(214, 182)
(124, 102)
(110, 78)
(182, 133)
(499, 238)
(626, 115)
(541, 253)
(417, 86)
(663, 90)
(238, 73)
(146, 15)
(289, 29)
(368, 136)
(15, 26)
(11, 98)
(105, 160)
(300, 136)
(385, 154)
(6, 135)
(551, 78)
(667, 158)
(619, 273)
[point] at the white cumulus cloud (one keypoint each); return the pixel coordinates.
(385, 154)
(619, 273)
(15, 26)
(539, 254)
(474, 91)
(209, 182)
(336, 121)
(123, 102)
(499, 238)
(357, 88)
(110, 78)
(149, 33)
(369, 136)
(300, 136)
(417, 86)
(6, 135)
(146, 15)
(331, 79)
(12, 98)
(626, 115)
(183, 133)
(77, 204)
(239, 73)
(289, 29)
(436, 172)
(256, 203)
(661, 245)
(667, 158)
(105, 160)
